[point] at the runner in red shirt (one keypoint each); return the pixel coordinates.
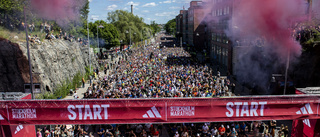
(222, 130)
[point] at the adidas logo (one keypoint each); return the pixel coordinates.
(152, 113)
(19, 127)
(1, 118)
(306, 109)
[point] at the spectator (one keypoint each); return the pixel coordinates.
(234, 133)
(39, 134)
(205, 129)
(215, 132)
(243, 128)
(285, 131)
(117, 133)
(101, 132)
(185, 133)
(222, 130)
(108, 133)
(75, 95)
(228, 131)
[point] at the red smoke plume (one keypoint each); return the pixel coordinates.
(62, 11)
(271, 20)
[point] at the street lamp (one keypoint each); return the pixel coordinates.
(129, 35)
(141, 37)
(98, 36)
(89, 48)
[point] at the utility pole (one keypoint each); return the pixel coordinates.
(98, 39)
(130, 35)
(29, 59)
(309, 9)
(89, 49)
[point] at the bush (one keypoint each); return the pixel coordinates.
(63, 90)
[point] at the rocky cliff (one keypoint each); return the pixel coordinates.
(53, 62)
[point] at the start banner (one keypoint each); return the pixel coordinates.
(164, 110)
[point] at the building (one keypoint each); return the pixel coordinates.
(204, 26)
(179, 26)
(182, 27)
(185, 27)
(195, 18)
(218, 22)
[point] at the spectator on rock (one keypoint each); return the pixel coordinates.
(75, 95)
(83, 82)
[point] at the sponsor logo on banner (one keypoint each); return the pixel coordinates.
(306, 109)
(240, 109)
(18, 128)
(152, 113)
(1, 118)
(182, 111)
(24, 113)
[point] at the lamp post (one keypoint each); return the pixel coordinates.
(134, 33)
(29, 59)
(198, 35)
(89, 49)
(129, 35)
(98, 36)
(141, 37)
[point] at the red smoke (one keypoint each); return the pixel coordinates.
(271, 20)
(62, 11)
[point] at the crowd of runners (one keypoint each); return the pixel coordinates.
(209, 129)
(150, 72)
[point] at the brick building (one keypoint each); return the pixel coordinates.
(208, 21)
(182, 26)
(218, 22)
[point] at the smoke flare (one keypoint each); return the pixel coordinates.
(62, 11)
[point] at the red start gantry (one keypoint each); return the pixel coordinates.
(164, 110)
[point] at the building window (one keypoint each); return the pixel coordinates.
(226, 57)
(214, 36)
(219, 54)
(218, 37)
(228, 10)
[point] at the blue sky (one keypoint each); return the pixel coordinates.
(151, 10)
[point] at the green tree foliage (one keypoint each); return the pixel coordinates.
(127, 23)
(108, 34)
(12, 15)
(154, 27)
(170, 26)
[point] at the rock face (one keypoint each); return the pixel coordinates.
(53, 62)
(14, 67)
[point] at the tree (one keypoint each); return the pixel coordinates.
(128, 24)
(108, 34)
(170, 26)
(154, 27)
